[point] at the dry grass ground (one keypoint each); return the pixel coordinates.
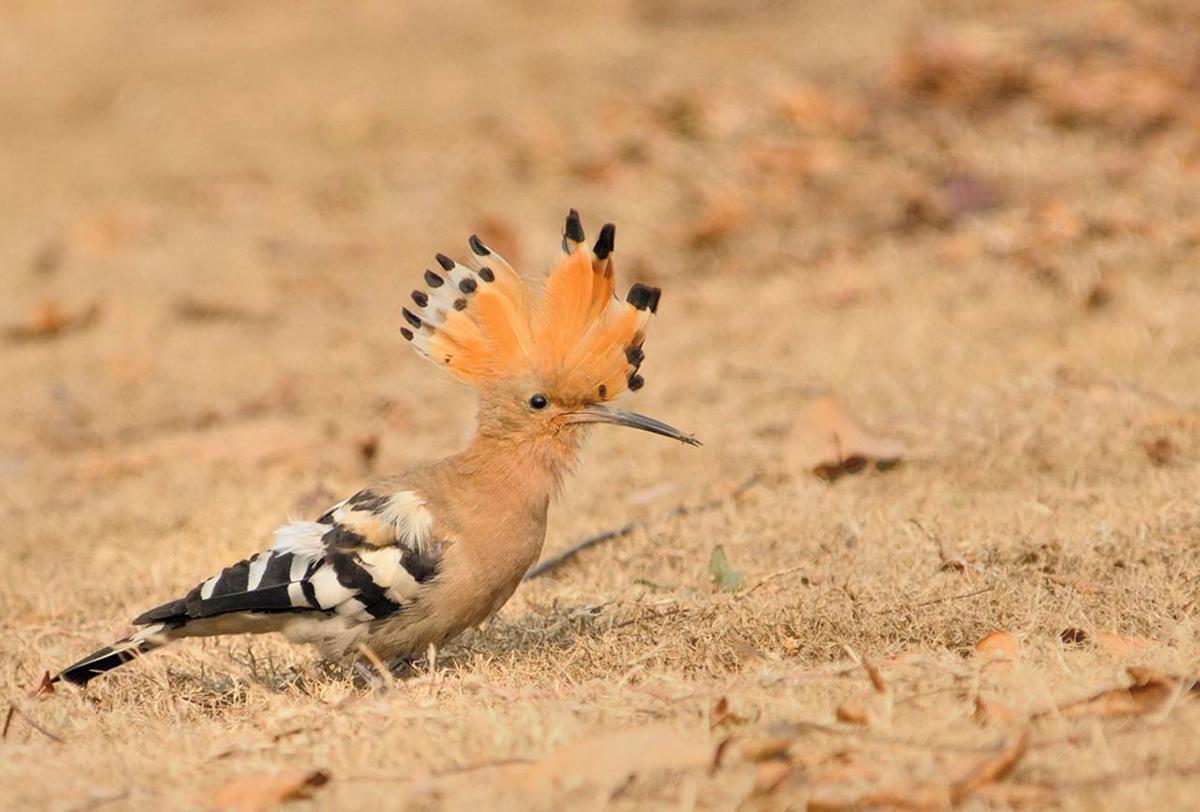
(975, 222)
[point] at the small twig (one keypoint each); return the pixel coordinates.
(766, 579)
(13, 709)
(557, 560)
(923, 604)
(674, 610)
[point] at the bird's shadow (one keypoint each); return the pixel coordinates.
(217, 688)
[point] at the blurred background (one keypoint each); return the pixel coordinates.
(215, 209)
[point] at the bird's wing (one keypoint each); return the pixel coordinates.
(365, 559)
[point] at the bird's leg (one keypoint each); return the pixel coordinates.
(402, 667)
(367, 676)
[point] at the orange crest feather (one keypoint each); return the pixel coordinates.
(480, 322)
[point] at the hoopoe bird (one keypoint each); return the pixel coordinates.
(414, 560)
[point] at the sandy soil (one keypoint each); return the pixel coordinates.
(976, 223)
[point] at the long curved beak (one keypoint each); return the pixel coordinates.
(619, 417)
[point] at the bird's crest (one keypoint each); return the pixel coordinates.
(483, 323)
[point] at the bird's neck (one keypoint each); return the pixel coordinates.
(514, 472)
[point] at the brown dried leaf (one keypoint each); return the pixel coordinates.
(973, 67)
(45, 686)
(999, 646)
(762, 748)
(721, 715)
(876, 676)
(828, 441)
(718, 221)
(768, 775)
(1149, 693)
(265, 790)
(1117, 644)
(210, 308)
(1118, 97)
(1160, 450)
(852, 713)
(1078, 584)
(49, 320)
(990, 770)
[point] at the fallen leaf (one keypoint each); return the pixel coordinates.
(876, 676)
(717, 222)
(1160, 450)
(1078, 584)
(990, 770)
(209, 308)
(852, 714)
(722, 715)
(49, 320)
(973, 67)
(1117, 644)
(828, 441)
(1122, 97)
(746, 651)
(1150, 692)
(726, 579)
(45, 686)
(931, 795)
(368, 448)
(757, 749)
(768, 775)
(999, 646)
(265, 790)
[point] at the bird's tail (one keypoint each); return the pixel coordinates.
(142, 641)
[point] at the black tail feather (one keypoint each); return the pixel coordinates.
(106, 659)
(103, 660)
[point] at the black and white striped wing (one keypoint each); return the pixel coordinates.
(365, 560)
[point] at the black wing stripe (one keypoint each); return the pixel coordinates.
(232, 579)
(278, 571)
(230, 590)
(422, 566)
(270, 599)
(310, 592)
(357, 579)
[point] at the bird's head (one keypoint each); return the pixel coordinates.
(545, 365)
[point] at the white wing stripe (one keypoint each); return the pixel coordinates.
(406, 512)
(258, 567)
(296, 595)
(302, 539)
(298, 568)
(206, 589)
(328, 591)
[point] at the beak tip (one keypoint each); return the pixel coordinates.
(691, 440)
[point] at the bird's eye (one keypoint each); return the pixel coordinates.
(538, 402)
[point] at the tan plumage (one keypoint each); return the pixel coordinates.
(415, 559)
